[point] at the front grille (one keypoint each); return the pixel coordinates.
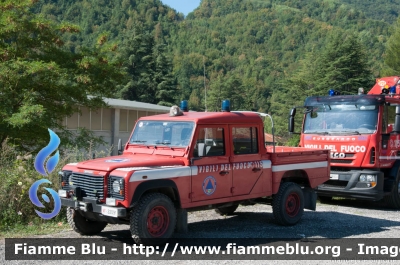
(91, 186)
(341, 161)
(338, 184)
(111, 192)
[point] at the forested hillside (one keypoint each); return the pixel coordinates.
(264, 55)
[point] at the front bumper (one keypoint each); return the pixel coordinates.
(93, 209)
(347, 185)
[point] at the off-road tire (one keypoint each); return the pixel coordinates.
(153, 219)
(325, 199)
(226, 210)
(82, 225)
(393, 199)
(288, 204)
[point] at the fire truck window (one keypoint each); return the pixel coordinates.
(209, 142)
(389, 115)
(244, 140)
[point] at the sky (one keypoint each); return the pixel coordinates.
(183, 6)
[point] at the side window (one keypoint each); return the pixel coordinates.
(209, 142)
(244, 140)
(389, 115)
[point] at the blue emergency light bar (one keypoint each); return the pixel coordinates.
(184, 106)
(333, 92)
(226, 105)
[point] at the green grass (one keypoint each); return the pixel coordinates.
(34, 229)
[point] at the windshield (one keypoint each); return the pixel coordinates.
(169, 133)
(333, 119)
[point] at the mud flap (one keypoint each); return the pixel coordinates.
(310, 199)
(181, 221)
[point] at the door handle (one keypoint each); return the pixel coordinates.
(256, 169)
(222, 173)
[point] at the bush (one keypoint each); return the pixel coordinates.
(17, 174)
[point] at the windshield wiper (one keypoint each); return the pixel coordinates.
(164, 143)
(323, 133)
(138, 141)
(352, 132)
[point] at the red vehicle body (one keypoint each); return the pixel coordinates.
(363, 134)
(186, 162)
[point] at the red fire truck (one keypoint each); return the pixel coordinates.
(187, 161)
(363, 133)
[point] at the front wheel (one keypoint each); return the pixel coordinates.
(393, 199)
(82, 225)
(153, 220)
(288, 204)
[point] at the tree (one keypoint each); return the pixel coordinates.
(392, 57)
(41, 82)
(342, 65)
(149, 70)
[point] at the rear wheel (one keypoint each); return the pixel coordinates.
(82, 225)
(226, 210)
(288, 204)
(393, 199)
(153, 220)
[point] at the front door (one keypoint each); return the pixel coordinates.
(214, 173)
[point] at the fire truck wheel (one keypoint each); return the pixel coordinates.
(288, 204)
(153, 219)
(226, 210)
(82, 225)
(393, 199)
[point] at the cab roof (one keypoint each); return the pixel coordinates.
(345, 100)
(210, 117)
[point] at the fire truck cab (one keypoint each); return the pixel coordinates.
(363, 133)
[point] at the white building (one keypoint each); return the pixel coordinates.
(113, 123)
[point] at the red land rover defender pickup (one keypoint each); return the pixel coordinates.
(187, 161)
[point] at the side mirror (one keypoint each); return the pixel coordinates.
(291, 120)
(120, 151)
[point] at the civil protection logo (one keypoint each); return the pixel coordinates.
(209, 185)
(50, 166)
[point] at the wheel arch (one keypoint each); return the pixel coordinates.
(164, 186)
(300, 177)
(394, 170)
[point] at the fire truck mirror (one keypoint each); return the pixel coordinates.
(396, 127)
(291, 124)
(293, 112)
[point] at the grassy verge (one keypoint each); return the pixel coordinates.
(34, 229)
(18, 217)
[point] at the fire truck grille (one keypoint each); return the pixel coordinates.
(338, 184)
(342, 161)
(91, 186)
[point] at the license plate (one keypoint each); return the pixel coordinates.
(109, 211)
(334, 176)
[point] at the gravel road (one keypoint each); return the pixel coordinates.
(339, 219)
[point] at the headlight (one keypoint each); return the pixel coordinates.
(367, 178)
(116, 186)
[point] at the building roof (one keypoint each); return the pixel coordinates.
(129, 104)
